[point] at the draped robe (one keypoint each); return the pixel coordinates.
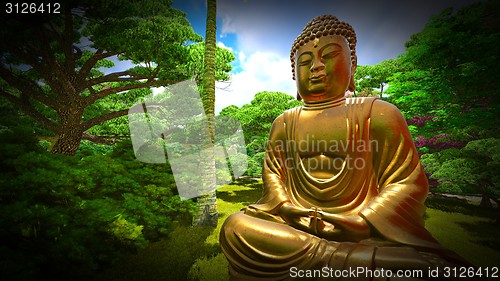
(388, 192)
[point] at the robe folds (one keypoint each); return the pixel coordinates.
(387, 188)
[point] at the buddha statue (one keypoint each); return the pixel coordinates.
(343, 187)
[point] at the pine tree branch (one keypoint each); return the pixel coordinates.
(26, 87)
(109, 140)
(115, 77)
(101, 118)
(67, 41)
(90, 63)
(106, 91)
(60, 81)
(27, 108)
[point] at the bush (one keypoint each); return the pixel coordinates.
(471, 169)
(168, 259)
(208, 269)
(255, 164)
(65, 217)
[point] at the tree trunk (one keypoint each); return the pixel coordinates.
(485, 196)
(207, 214)
(485, 202)
(207, 204)
(71, 133)
(67, 143)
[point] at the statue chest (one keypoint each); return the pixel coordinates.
(320, 141)
(322, 133)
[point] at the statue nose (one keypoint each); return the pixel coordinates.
(317, 65)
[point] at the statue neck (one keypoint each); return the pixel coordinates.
(322, 104)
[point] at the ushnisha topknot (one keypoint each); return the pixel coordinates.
(322, 26)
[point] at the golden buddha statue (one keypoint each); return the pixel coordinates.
(343, 187)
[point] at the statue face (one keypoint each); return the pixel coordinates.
(323, 68)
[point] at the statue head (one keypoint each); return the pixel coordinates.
(325, 49)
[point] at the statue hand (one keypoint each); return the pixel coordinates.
(298, 217)
(345, 228)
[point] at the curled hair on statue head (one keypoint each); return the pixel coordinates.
(325, 25)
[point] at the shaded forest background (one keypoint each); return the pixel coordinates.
(73, 197)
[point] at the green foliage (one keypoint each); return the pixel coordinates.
(256, 119)
(168, 259)
(117, 126)
(88, 148)
(445, 87)
(196, 66)
(255, 164)
(222, 174)
(125, 231)
(208, 269)
(87, 99)
(70, 216)
(16, 133)
(237, 163)
(459, 47)
(145, 31)
(472, 169)
(415, 92)
(449, 71)
(368, 77)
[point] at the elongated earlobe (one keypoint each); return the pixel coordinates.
(352, 85)
(299, 98)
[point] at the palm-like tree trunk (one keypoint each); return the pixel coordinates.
(208, 214)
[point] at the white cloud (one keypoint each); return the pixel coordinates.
(227, 25)
(241, 56)
(261, 71)
(221, 45)
(258, 26)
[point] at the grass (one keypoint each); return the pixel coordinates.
(474, 238)
(231, 199)
(168, 259)
(190, 253)
(194, 253)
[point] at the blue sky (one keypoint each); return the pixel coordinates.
(260, 34)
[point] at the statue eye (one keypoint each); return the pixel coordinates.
(329, 55)
(305, 61)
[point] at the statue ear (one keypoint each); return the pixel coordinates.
(352, 85)
(299, 98)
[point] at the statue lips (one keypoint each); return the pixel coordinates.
(317, 78)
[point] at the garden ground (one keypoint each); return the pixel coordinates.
(194, 253)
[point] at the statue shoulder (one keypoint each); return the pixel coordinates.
(386, 119)
(385, 109)
(287, 118)
(278, 128)
(279, 120)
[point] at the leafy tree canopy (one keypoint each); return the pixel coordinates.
(54, 69)
(368, 77)
(257, 117)
(445, 82)
(256, 120)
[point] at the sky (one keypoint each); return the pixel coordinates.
(260, 34)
